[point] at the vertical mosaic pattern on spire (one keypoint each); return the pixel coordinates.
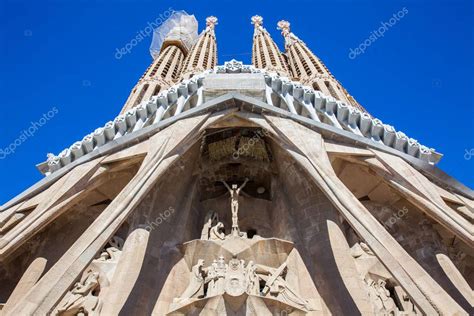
(307, 68)
(265, 53)
(203, 54)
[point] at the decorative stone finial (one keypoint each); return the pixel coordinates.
(257, 20)
(284, 26)
(211, 22)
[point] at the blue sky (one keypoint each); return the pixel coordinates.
(58, 55)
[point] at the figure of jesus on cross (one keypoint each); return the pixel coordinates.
(234, 205)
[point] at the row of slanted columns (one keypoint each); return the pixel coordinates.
(421, 287)
(38, 292)
(113, 295)
(42, 293)
(298, 62)
(174, 63)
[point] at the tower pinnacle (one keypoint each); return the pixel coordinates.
(265, 53)
(284, 26)
(257, 21)
(203, 54)
(307, 68)
(211, 22)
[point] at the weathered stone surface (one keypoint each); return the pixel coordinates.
(252, 85)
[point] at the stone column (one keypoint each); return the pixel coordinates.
(419, 285)
(127, 271)
(347, 269)
(455, 277)
(29, 278)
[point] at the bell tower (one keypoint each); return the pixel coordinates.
(265, 53)
(164, 71)
(203, 54)
(307, 68)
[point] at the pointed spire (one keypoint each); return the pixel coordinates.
(203, 54)
(310, 70)
(265, 53)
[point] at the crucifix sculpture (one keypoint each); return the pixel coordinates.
(234, 205)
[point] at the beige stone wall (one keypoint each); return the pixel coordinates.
(351, 250)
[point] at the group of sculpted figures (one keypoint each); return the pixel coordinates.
(381, 299)
(83, 298)
(236, 278)
(213, 229)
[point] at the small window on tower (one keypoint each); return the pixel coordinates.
(157, 90)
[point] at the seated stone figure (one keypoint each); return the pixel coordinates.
(82, 299)
(216, 232)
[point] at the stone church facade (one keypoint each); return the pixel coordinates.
(261, 189)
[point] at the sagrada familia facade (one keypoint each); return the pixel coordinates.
(234, 189)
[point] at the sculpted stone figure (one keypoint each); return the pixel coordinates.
(234, 205)
(380, 298)
(276, 285)
(112, 253)
(405, 301)
(211, 279)
(216, 232)
(384, 295)
(221, 270)
(253, 286)
(211, 219)
(82, 299)
(196, 283)
(236, 277)
(235, 281)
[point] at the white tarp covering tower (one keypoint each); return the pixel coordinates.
(179, 26)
